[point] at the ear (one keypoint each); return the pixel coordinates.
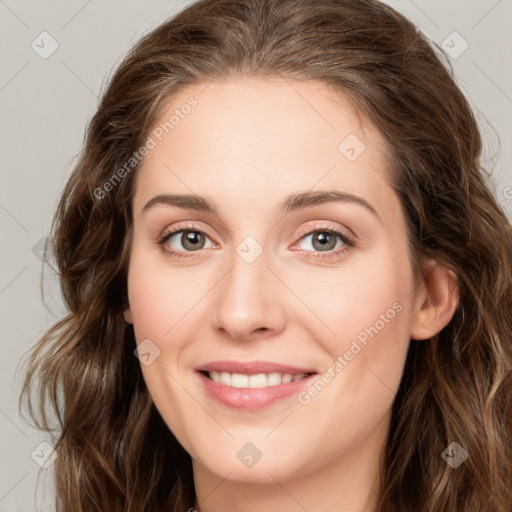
(436, 300)
(128, 315)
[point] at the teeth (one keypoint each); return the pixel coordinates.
(273, 379)
(259, 380)
(239, 380)
(225, 378)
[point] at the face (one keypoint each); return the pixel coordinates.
(274, 320)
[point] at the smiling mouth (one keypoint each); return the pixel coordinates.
(258, 380)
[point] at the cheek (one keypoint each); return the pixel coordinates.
(354, 298)
(161, 298)
(366, 312)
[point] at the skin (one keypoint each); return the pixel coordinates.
(247, 145)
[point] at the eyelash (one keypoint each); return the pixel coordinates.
(349, 242)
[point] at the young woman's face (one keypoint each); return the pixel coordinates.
(268, 279)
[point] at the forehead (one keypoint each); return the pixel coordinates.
(249, 139)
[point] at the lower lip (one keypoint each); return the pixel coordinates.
(251, 398)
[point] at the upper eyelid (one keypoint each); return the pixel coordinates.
(316, 227)
(319, 225)
(178, 229)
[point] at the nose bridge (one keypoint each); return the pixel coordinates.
(246, 300)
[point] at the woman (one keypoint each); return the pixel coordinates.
(289, 286)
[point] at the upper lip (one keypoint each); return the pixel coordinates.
(252, 367)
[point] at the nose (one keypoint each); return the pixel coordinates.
(249, 301)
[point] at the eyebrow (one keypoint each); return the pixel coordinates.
(292, 203)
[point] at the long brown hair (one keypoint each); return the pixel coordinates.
(115, 452)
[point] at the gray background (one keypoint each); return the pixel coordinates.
(45, 104)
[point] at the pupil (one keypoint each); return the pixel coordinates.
(190, 239)
(323, 238)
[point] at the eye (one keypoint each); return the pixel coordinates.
(325, 242)
(182, 240)
(322, 241)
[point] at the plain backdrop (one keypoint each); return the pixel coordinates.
(46, 101)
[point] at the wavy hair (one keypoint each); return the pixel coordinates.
(114, 451)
